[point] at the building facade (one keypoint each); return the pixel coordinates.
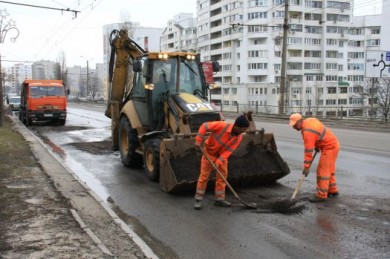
(180, 34)
(46, 69)
(325, 60)
(15, 76)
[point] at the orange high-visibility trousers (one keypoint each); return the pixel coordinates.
(326, 172)
(205, 170)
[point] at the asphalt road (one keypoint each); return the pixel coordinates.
(356, 224)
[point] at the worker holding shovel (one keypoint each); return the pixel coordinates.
(316, 136)
(224, 138)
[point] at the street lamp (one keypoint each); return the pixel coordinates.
(6, 25)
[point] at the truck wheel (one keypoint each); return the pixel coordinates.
(62, 122)
(152, 159)
(26, 120)
(128, 143)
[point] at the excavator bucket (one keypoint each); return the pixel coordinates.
(255, 161)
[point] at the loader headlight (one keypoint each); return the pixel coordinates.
(162, 55)
(190, 57)
(149, 86)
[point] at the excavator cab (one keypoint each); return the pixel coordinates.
(166, 85)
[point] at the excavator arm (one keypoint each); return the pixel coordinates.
(123, 51)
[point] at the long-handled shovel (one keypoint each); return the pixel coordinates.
(248, 205)
(285, 204)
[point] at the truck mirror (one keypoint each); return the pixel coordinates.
(137, 66)
(215, 66)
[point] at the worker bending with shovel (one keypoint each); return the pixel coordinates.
(317, 137)
(224, 138)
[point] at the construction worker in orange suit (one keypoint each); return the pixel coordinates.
(317, 137)
(224, 138)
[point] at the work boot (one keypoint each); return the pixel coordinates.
(198, 205)
(222, 203)
(333, 194)
(317, 199)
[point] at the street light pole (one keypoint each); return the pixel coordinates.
(5, 26)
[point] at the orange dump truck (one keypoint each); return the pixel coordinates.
(43, 100)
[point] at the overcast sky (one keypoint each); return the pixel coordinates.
(43, 33)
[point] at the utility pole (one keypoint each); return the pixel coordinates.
(284, 61)
(87, 78)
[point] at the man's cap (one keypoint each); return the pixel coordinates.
(294, 118)
(241, 122)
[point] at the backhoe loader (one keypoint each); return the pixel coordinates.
(157, 102)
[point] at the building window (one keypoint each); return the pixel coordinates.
(330, 101)
(343, 90)
(342, 101)
(373, 43)
(332, 90)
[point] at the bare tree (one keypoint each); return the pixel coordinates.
(61, 59)
(377, 90)
(316, 94)
(93, 86)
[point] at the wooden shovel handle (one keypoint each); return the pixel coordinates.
(301, 180)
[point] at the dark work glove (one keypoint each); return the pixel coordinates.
(306, 171)
(198, 151)
(317, 149)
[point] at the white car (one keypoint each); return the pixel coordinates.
(14, 103)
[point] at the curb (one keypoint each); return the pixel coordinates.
(32, 140)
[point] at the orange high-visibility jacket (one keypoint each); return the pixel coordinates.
(221, 143)
(316, 134)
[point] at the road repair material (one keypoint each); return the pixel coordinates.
(247, 205)
(285, 206)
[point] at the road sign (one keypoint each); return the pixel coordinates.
(377, 63)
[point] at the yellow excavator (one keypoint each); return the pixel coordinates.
(157, 102)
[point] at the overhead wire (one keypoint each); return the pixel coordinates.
(85, 11)
(51, 38)
(38, 37)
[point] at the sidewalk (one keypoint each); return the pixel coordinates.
(46, 212)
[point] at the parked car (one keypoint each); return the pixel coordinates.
(14, 103)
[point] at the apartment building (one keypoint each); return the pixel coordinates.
(326, 50)
(180, 34)
(15, 76)
(46, 69)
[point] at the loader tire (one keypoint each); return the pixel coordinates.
(128, 143)
(152, 159)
